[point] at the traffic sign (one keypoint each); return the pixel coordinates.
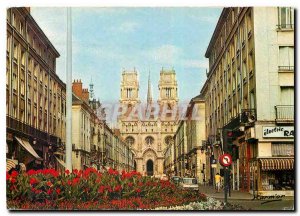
(225, 160)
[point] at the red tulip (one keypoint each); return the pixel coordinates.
(14, 174)
(49, 192)
(118, 188)
(7, 176)
(13, 180)
(58, 191)
(33, 181)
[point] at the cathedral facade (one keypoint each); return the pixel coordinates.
(148, 127)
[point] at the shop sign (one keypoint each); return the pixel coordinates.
(265, 197)
(287, 131)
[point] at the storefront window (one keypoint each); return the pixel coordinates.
(278, 180)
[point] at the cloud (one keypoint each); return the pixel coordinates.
(100, 11)
(194, 63)
(164, 54)
(126, 27)
(206, 19)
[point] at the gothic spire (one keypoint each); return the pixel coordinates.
(91, 89)
(149, 93)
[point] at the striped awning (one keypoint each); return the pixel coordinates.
(277, 163)
(10, 164)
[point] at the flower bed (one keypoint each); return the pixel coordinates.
(92, 190)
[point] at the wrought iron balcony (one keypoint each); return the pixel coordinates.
(21, 127)
(286, 68)
(285, 26)
(284, 113)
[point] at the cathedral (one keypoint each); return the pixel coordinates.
(148, 127)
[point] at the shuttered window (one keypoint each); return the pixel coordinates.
(287, 96)
(282, 149)
(286, 56)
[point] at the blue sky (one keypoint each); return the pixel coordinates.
(106, 40)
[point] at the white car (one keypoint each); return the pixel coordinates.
(189, 184)
(164, 177)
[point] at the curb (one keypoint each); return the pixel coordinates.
(230, 198)
(245, 199)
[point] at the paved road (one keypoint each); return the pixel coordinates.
(285, 204)
(245, 199)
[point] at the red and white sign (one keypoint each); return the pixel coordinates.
(225, 160)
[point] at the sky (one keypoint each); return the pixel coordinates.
(108, 40)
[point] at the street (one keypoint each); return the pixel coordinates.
(245, 199)
(284, 204)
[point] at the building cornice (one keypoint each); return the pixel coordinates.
(217, 30)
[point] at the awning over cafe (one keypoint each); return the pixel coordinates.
(58, 153)
(10, 164)
(61, 162)
(28, 147)
(277, 163)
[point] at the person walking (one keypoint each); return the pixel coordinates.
(218, 182)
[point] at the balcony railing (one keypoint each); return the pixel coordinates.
(286, 68)
(284, 113)
(16, 125)
(285, 26)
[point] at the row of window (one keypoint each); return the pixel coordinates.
(149, 140)
(36, 92)
(18, 22)
(244, 31)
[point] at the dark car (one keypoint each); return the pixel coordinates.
(175, 179)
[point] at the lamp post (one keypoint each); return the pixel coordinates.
(69, 92)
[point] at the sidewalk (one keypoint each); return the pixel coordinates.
(235, 195)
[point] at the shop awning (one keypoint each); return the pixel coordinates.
(28, 147)
(23, 167)
(58, 153)
(277, 163)
(61, 162)
(10, 164)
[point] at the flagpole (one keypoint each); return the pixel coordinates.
(69, 92)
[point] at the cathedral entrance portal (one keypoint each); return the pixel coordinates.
(149, 166)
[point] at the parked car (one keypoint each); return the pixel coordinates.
(164, 177)
(175, 179)
(189, 184)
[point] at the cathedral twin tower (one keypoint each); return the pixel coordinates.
(149, 137)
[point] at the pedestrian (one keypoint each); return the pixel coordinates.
(218, 182)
